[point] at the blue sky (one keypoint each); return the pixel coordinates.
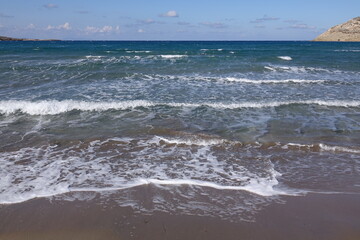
(173, 20)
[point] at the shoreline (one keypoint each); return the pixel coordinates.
(11, 39)
(314, 216)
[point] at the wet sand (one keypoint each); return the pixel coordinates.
(315, 216)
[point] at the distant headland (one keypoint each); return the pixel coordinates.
(3, 38)
(346, 32)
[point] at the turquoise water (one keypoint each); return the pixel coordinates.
(259, 119)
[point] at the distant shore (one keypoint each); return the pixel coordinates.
(3, 38)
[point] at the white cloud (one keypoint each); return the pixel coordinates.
(104, 29)
(30, 26)
(214, 24)
(302, 26)
(170, 13)
(147, 21)
(183, 23)
(140, 30)
(140, 23)
(82, 12)
(5, 16)
(65, 26)
(291, 21)
(50, 6)
(264, 19)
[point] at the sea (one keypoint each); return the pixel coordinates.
(212, 128)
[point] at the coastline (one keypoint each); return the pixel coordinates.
(160, 140)
(11, 39)
(314, 216)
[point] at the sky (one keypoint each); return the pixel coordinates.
(173, 19)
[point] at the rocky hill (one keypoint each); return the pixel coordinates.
(346, 32)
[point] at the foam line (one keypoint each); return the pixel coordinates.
(338, 149)
(198, 142)
(245, 80)
(261, 188)
(173, 56)
(286, 58)
(53, 107)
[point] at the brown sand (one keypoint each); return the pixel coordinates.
(314, 216)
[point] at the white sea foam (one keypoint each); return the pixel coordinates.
(284, 81)
(191, 141)
(138, 51)
(172, 56)
(270, 68)
(257, 186)
(297, 145)
(51, 170)
(262, 188)
(323, 147)
(286, 58)
(299, 69)
(94, 57)
(162, 161)
(338, 149)
(232, 79)
(347, 50)
(53, 107)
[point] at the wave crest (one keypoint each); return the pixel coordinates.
(286, 58)
(53, 107)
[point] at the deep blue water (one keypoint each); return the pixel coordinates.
(266, 118)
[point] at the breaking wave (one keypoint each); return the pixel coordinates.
(53, 107)
(53, 170)
(286, 58)
(284, 81)
(172, 56)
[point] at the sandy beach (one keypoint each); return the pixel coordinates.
(315, 216)
(179, 140)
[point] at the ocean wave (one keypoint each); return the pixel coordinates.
(270, 81)
(270, 68)
(261, 188)
(319, 147)
(286, 58)
(172, 56)
(217, 49)
(232, 79)
(94, 57)
(53, 107)
(49, 173)
(135, 51)
(299, 69)
(191, 141)
(187, 159)
(211, 141)
(338, 149)
(347, 50)
(123, 59)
